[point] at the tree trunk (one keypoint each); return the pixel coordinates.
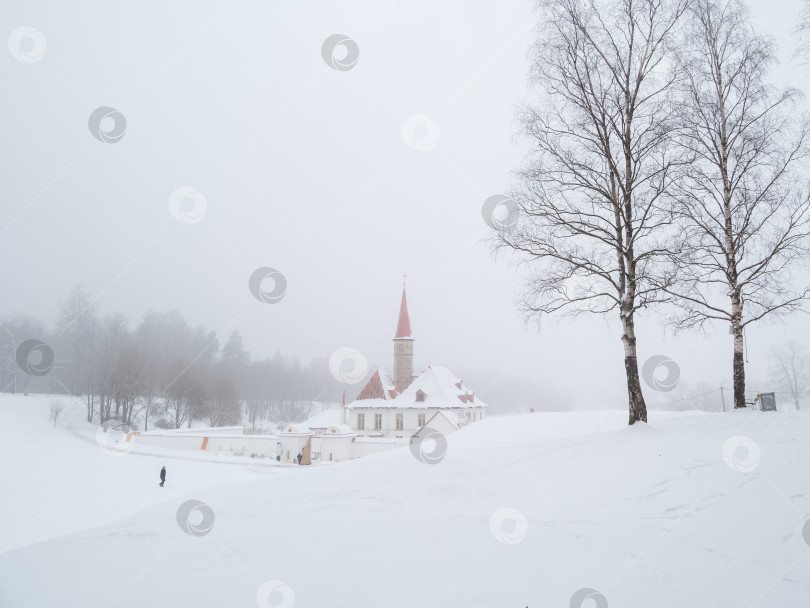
(637, 406)
(739, 361)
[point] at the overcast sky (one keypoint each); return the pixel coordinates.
(306, 169)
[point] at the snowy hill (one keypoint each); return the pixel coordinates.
(522, 511)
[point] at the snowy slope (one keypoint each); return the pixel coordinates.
(61, 480)
(523, 511)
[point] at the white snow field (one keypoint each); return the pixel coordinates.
(522, 511)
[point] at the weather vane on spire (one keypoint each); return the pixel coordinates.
(404, 276)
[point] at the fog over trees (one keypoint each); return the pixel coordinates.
(161, 372)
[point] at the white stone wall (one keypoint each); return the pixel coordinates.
(331, 449)
(211, 430)
(265, 446)
(246, 445)
(176, 442)
(291, 445)
(389, 420)
(365, 447)
(410, 419)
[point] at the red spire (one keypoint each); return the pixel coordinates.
(404, 324)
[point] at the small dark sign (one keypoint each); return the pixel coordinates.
(767, 402)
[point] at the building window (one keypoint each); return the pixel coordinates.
(421, 421)
(420, 396)
(361, 422)
(377, 422)
(400, 422)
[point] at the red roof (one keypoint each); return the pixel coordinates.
(404, 324)
(374, 389)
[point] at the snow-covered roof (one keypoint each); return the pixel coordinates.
(443, 421)
(299, 428)
(328, 417)
(372, 403)
(452, 417)
(440, 388)
(338, 430)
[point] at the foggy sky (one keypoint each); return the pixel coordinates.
(304, 169)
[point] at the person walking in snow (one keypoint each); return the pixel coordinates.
(162, 476)
(299, 457)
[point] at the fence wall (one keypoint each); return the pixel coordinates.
(259, 445)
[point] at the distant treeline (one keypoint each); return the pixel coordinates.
(162, 373)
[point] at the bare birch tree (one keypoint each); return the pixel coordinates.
(802, 32)
(791, 369)
(77, 333)
(745, 214)
(592, 219)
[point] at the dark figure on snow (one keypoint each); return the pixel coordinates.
(162, 476)
(299, 457)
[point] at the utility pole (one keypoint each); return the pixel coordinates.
(722, 397)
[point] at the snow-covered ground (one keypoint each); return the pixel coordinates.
(522, 511)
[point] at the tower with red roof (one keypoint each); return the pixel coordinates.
(403, 348)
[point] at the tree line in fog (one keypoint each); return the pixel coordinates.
(162, 373)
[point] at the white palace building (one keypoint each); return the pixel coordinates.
(388, 412)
